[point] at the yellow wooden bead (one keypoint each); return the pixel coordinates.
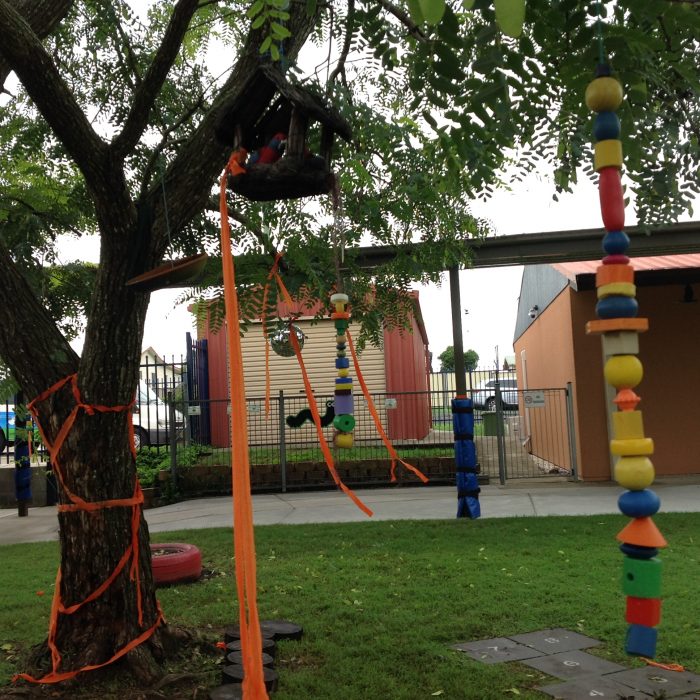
(625, 289)
(340, 339)
(343, 372)
(343, 440)
(604, 94)
(628, 425)
(623, 371)
(340, 307)
(632, 447)
(634, 473)
(607, 154)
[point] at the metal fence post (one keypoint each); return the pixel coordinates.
(173, 439)
(283, 443)
(500, 440)
(572, 430)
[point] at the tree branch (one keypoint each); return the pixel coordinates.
(340, 65)
(164, 143)
(25, 54)
(148, 90)
(253, 227)
(42, 17)
(31, 344)
(404, 18)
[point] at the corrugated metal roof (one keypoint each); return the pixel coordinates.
(657, 262)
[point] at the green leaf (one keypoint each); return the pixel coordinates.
(255, 9)
(432, 10)
(275, 52)
(258, 22)
(415, 11)
(510, 15)
(279, 31)
(265, 46)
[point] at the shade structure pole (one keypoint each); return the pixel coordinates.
(466, 469)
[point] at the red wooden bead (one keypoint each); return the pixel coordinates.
(615, 260)
(643, 611)
(612, 201)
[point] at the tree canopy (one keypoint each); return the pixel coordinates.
(447, 359)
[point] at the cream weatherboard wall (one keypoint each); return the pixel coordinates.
(319, 359)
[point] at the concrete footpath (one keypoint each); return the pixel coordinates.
(553, 496)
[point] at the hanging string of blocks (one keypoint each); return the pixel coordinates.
(619, 327)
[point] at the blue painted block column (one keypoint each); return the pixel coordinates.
(468, 490)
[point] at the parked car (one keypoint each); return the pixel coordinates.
(151, 418)
(485, 395)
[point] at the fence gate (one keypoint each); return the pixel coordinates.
(529, 434)
(198, 389)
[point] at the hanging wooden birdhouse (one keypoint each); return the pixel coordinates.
(281, 164)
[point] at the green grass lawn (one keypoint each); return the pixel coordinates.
(382, 602)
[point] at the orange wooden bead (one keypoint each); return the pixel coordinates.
(609, 274)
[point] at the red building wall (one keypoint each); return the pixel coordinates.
(408, 370)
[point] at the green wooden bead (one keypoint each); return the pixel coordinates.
(641, 578)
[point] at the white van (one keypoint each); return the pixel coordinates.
(151, 418)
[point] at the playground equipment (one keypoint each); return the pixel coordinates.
(619, 327)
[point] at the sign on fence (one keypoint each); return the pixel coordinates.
(533, 399)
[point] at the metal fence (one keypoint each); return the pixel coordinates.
(520, 434)
(527, 435)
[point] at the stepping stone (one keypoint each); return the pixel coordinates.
(236, 657)
(592, 687)
(651, 679)
(234, 674)
(497, 650)
(269, 646)
(226, 692)
(273, 629)
(555, 640)
(573, 664)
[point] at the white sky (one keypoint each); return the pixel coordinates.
(491, 294)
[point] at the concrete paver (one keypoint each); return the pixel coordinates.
(517, 498)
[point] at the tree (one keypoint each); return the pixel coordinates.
(447, 359)
(111, 129)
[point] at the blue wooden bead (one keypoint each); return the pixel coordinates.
(616, 242)
(342, 363)
(606, 126)
(637, 552)
(639, 504)
(617, 307)
(641, 641)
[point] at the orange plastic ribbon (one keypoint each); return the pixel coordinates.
(378, 421)
(327, 456)
(80, 504)
(272, 273)
(668, 667)
(243, 536)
